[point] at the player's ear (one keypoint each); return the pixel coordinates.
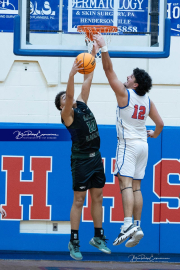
(61, 107)
(136, 85)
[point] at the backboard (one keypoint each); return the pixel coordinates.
(49, 28)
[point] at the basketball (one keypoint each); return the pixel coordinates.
(88, 63)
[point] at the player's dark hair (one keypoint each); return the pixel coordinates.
(144, 81)
(58, 100)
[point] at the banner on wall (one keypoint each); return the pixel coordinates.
(44, 15)
(8, 10)
(131, 16)
(40, 135)
(173, 13)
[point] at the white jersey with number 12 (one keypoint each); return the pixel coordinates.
(131, 119)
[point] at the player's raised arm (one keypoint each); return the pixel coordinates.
(116, 85)
(84, 95)
(154, 115)
(68, 98)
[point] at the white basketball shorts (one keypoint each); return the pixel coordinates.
(131, 158)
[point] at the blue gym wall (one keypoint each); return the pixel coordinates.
(160, 232)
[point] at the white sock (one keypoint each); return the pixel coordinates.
(127, 221)
(137, 223)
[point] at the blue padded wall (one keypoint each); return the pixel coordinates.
(158, 237)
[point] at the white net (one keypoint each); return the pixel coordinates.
(89, 31)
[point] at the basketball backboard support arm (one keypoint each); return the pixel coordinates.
(151, 39)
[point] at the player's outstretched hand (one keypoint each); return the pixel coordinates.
(3, 212)
(100, 40)
(150, 133)
(76, 66)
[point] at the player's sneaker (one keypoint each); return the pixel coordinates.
(73, 247)
(134, 240)
(125, 233)
(100, 243)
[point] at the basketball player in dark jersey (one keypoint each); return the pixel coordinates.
(86, 163)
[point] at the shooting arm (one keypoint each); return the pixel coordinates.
(85, 90)
(67, 112)
(67, 109)
(84, 95)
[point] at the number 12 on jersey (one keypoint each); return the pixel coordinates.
(139, 112)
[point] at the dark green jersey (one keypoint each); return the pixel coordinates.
(84, 131)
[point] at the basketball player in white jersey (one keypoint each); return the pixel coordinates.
(134, 106)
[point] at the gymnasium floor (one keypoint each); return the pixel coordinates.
(75, 265)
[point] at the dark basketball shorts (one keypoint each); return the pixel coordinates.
(87, 173)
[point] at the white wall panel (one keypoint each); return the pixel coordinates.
(167, 71)
(28, 95)
(49, 65)
(16, 118)
(122, 66)
(167, 101)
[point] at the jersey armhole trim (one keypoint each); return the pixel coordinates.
(81, 102)
(128, 100)
(149, 104)
(71, 123)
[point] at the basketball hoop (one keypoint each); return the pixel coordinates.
(91, 30)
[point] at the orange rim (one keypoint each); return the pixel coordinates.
(91, 30)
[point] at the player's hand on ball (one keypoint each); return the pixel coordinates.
(76, 67)
(88, 63)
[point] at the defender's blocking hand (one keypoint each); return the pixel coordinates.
(100, 40)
